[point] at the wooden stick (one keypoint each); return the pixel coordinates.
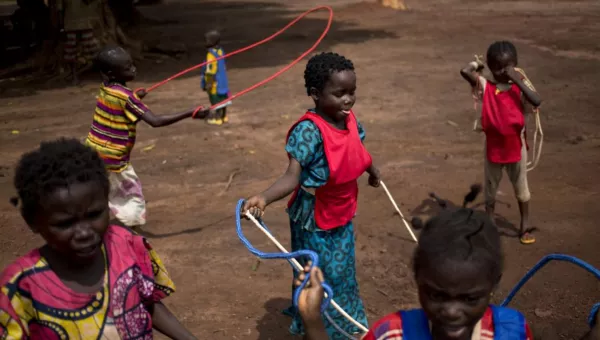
(399, 212)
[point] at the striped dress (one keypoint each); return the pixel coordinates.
(113, 129)
(112, 135)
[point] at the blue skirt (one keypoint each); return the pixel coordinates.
(335, 249)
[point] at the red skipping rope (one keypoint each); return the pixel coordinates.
(273, 76)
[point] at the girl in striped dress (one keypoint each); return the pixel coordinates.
(113, 133)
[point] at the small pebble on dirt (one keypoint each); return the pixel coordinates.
(542, 313)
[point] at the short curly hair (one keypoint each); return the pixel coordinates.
(107, 59)
(462, 235)
(56, 164)
(320, 67)
(502, 48)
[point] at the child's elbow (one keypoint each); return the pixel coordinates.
(536, 102)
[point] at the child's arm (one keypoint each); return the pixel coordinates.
(160, 121)
(468, 73)
(280, 189)
(374, 176)
(165, 322)
(373, 171)
(134, 105)
(211, 71)
(531, 95)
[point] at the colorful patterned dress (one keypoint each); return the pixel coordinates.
(335, 247)
(36, 304)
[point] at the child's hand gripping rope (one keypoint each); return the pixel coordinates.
(291, 257)
(284, 254)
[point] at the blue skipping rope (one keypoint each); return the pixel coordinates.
(542, 263)
(287, 256)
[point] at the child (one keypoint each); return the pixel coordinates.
(214, 77)
(90, 280)
(457, 265)
(326, 156)
(113, 133)
(503, 122)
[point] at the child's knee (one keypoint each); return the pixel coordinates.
(523, 195)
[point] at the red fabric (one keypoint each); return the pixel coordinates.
(390, 327)
(348, 159)
(502, 121)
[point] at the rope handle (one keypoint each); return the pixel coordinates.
(290, 257)
(544, 261)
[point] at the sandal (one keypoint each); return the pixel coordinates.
(527, 237)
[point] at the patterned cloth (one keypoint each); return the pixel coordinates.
(113, 130)
(390, 327)
(335, 248)
(36, 304)
(125, 199)
(86, 39)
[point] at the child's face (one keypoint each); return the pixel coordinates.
(498, 67)
(338, 96)
(454, 296)
(73, 221)
(124, 69)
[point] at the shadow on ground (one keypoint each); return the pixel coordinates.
(241, 23)
(274, 324)
(432, 206)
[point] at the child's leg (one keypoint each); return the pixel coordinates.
(517, 173)
(224, 115)
(493, 176)
(215, 119)
(70, 53)
(89, 44)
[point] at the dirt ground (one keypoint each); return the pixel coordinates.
(417, 112)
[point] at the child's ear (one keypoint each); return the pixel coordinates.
(314, 94)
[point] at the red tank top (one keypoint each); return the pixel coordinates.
(502, 121)
(348, 159)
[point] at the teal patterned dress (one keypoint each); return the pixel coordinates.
(335, 247)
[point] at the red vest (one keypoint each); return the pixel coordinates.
(348, 159)
(502, 121)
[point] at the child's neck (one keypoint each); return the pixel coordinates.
(82, 278)
(116, 81)
(341, 125)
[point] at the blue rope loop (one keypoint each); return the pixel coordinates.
(300, 254)
(556, 257)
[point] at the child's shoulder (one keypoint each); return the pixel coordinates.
(120, 235)
(125, 241)
(20, 267)
(388, 327)
(116, 90)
